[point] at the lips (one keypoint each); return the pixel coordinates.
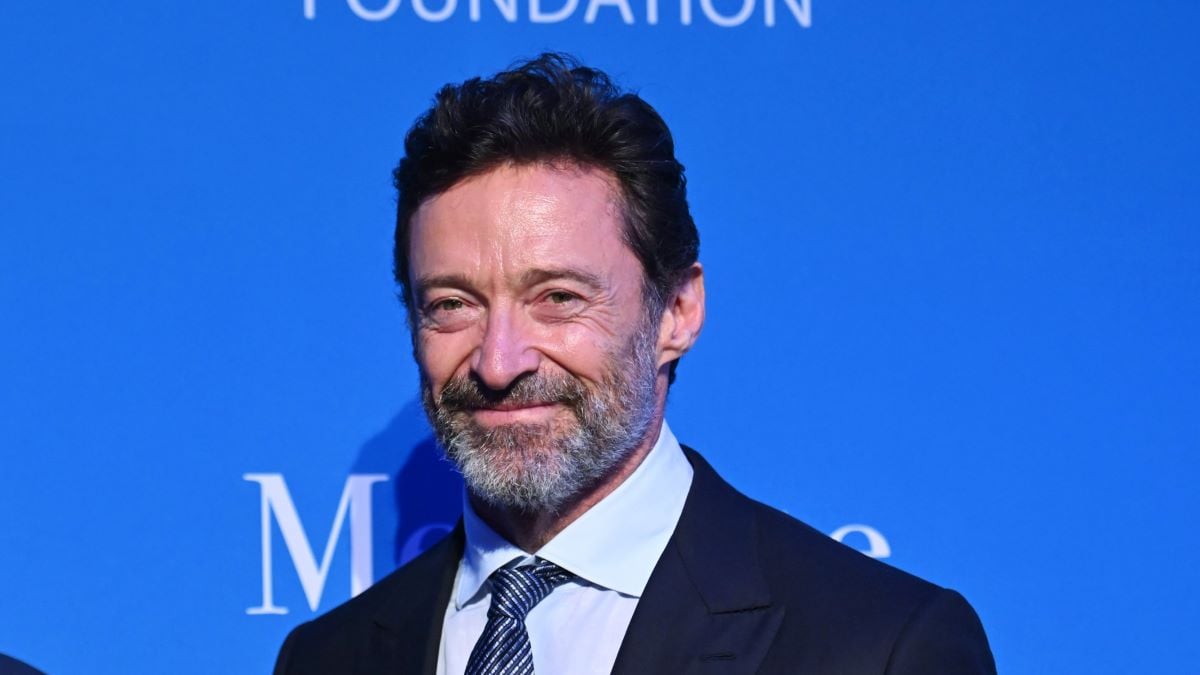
(509, 413)
(506, 407)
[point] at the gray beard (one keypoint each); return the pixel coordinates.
(541, 467)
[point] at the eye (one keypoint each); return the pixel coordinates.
(447, 305)
(558, 305)
(560, 297)
(449, 313)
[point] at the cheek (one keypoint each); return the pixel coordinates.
(601, 331)
(571, 341)
(442, 356)
(582, 352)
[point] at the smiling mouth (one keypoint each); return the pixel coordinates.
(508, 413)
(506, 407)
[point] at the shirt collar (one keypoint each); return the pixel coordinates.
(615, 544)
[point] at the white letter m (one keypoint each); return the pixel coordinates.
(356, 497)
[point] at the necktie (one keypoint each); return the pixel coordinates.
(503, 649)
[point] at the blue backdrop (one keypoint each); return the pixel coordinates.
(953, 260)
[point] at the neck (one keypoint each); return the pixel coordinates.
(531, 531)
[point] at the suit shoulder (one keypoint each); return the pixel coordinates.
(796, 559)
(838, 610)
(875, 611)
(792, 550)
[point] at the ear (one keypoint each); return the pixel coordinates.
(683, 317)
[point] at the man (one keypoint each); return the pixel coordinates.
(548, 261)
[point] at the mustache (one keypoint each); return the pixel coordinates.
(469, 393)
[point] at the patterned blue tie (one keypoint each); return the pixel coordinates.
(503, 649)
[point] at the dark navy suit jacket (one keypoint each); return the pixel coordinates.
(741, 588)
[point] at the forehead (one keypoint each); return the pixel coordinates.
(514, 218)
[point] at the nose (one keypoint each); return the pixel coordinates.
(506, 352)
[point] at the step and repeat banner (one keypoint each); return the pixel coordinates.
(953, 263)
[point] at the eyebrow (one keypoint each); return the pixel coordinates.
(529, 278)
(423, 284)
(537, 276)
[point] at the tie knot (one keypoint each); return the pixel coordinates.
(515, 590)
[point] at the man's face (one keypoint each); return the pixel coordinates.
(538, 358)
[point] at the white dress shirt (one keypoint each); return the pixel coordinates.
(611, 549)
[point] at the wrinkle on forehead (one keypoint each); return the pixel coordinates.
(517, 215)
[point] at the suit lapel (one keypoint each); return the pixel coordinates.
(707, 607)
(408, 633)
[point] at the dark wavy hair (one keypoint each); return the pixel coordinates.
(553, 109)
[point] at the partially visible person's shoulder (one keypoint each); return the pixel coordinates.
(336, 640)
